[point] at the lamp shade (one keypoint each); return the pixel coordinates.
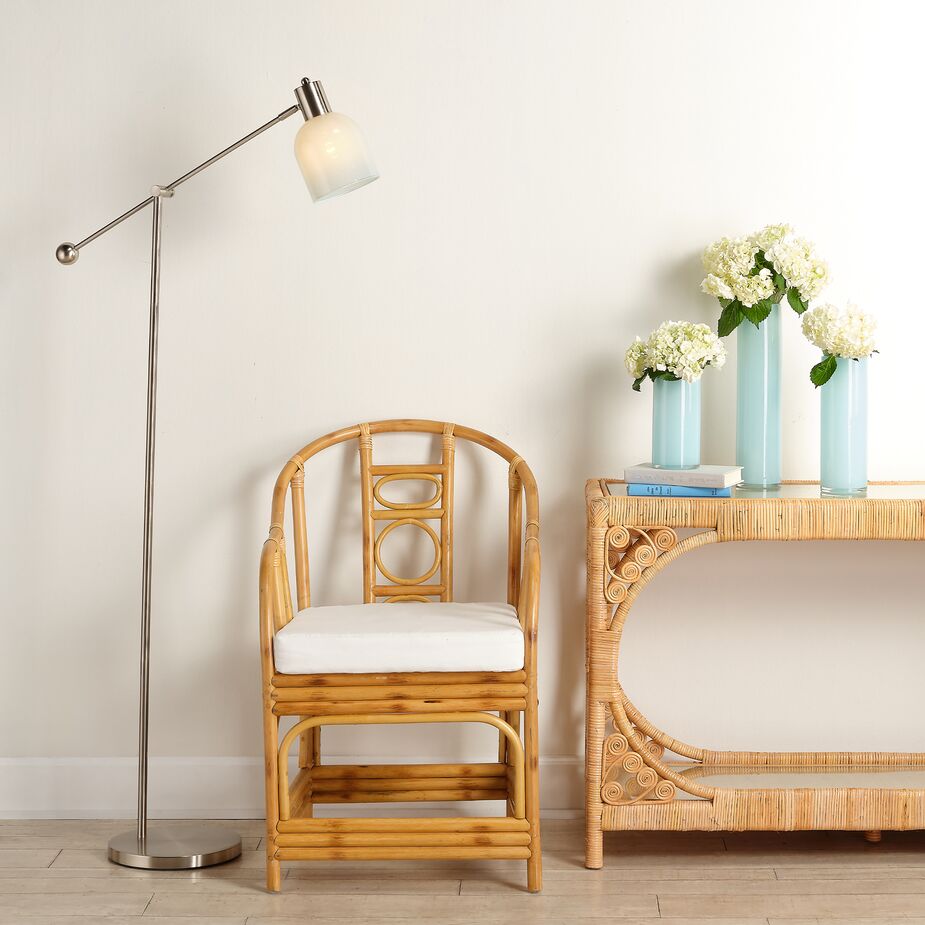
(333, 156)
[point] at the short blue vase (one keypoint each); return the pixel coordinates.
(758, 407)
(676, 424)
(844, 430)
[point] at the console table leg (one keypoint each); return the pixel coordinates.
(873, 836)
(594, 739)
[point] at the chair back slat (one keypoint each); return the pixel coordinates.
(446, 522)
(434, 516)
(369, 526)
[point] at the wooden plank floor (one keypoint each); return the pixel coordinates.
(56, 873)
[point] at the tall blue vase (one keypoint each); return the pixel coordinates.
(758, 407)
(844, 430)
(676, 424)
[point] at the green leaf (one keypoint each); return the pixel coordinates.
(758, 312)
(662, 374)
(731, 318)
(780, 283)
(761, 263)
(638, 382)
(823, 371)
(796, 303)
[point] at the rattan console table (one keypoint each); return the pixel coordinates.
(630, 783)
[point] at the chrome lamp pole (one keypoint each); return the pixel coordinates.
(334, 159)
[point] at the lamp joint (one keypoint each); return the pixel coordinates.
(312, 99)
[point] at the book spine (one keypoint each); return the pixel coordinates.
(681, 477)
(676, 491)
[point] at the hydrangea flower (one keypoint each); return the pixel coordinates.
(750, 275)
(797, 261)
(675, 350)
(635, 358)
(770, 235)
(729, 263)
(840, 334)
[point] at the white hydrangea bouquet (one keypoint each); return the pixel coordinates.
(675, 350)
(840, 334)
(751, 275)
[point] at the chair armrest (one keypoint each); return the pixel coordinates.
(528, 585)
(275, 600)
(528, 604)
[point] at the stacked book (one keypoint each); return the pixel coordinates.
(699, 482)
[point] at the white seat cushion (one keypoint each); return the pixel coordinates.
(373, 638)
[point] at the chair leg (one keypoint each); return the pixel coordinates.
(512, 718)
(274, 875)
(532, 774)
(310, 747)
(309, 757)
(271, 747)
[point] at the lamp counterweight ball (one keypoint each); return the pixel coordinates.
(67, 254)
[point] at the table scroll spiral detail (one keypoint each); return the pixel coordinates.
(627, 778)
(629, 552)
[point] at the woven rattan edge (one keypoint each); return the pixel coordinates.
(845, 809)
(764, 518)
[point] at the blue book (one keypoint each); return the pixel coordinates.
(676, 491)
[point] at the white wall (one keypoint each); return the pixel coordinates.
(550, 173)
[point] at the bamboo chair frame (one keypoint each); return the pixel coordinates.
(504, 700)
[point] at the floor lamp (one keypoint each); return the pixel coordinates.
(334, 159)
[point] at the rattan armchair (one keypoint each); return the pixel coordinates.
(478, 666)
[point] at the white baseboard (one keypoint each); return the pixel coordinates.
(207, 788)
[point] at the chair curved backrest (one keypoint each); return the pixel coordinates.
(434, 516)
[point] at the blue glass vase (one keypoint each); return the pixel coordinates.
(758, 417)
(844, 430)
(676, 424)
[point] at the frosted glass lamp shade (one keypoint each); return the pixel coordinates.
(333, 156)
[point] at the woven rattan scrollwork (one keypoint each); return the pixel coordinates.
(627, 778)
(630, 551)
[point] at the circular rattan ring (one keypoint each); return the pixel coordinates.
(415, 523)
(408, 477)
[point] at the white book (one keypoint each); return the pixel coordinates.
(699, 477)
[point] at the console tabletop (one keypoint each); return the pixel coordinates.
(630, 783)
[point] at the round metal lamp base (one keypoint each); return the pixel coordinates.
(176, 847)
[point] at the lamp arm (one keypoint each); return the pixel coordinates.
(68, 253)
(291, 111)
